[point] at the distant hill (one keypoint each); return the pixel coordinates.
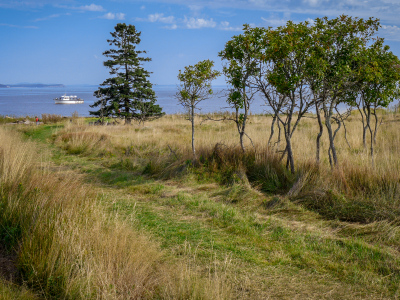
(31, 85)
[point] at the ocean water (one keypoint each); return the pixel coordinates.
(36, 101)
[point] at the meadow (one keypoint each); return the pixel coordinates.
(124, 212)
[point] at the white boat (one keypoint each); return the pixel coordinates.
(68, 100)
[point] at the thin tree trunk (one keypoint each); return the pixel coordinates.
(278, 142)
(192, 119)
(372, 147)
(243, 127)
(290, 160)
(272, 130)
(321, 130)
(377, 124)
(328, 125)
(368, 118)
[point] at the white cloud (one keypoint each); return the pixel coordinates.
(160, 18)
(18, 26)
(47, 18)
(311, 21)
(51, 17)
(312, 2)
(113, 16)
(91, 7)
(172, 27)
(258, 2)
(274, 22)
(391, 33)
(224, 25)
(386, 10)
(194, 23)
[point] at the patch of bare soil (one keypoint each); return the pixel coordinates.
(8, 268)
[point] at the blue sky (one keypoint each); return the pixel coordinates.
(62, 41)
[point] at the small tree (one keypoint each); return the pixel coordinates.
(129, 93)
(240, 54)
(195, 86)
(282, 79)
(331, 67)
(378, 77)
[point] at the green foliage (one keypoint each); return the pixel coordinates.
(334, 52)
(195, 86)
(129, 93)
(378, 75)
(195, 83)
(241, 54)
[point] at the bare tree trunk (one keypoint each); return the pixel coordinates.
(192, 119)
(372, 146)
(321, 130)
(368, 118)
(243, 127)
(290, 160)
(278, 142)
(272, 129)
(364, 127)
(377, 124)
(328, 125)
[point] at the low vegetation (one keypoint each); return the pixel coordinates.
(66, 245)
(146, 221)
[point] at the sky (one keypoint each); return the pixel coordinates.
(62, 41)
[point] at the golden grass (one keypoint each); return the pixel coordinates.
(367, 192)
(174, 130)
(69, 247)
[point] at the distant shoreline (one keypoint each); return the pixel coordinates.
(30, 85)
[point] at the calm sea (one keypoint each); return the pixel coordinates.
(36, 101)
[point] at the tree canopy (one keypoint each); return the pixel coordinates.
(318, 64)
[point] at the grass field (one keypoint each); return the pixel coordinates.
(123, 212)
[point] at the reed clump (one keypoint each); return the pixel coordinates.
(68, 247)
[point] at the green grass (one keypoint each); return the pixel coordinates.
(217, 229)
(42, 133)
(268, 240)
(9, 291)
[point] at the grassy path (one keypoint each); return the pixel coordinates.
(265, 245)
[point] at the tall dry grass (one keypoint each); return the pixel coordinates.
(68, 247)
(51, 118)
(355, 191)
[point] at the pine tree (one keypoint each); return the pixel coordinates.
(129, 93)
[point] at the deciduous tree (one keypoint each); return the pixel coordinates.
(195, 86)
(242, 64)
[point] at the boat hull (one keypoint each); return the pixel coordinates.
(68, 101)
